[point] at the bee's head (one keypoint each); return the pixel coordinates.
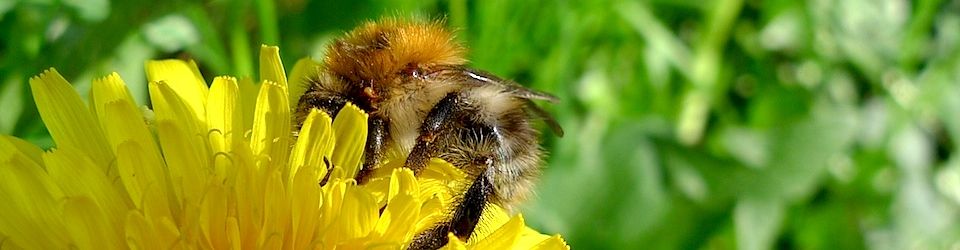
(386, 49)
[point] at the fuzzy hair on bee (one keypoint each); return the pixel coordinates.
(424, 102)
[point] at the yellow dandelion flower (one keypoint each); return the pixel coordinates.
(217, 168)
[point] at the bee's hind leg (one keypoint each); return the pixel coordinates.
(464, 218)
(451, 131)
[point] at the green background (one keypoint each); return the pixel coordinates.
(730, 124)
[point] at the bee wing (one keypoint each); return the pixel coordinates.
(480, 77)
(546, 116)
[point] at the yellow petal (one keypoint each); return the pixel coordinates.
(186, 157)
(440, 179)
(224, 167)
(183, 139)
(249, 192)
(378, 188)
(440, 170)
(89, 225)
(274, 241)
(185, 80)
(529, 238)
(350, 127)
(271, 67)
(314, 142)
(156, 209)
(25, 148)
(276, 214)
(502, 238)
(398, 219)
(118, 114)
(403, 208)
(213, 218)
(124, 123)
(140, 234)
(358, 214)
(122, 120)
(138, 172)
(233, 233)
(30, 209)
(379, 181)
(108, 89)
(402, 182)
(333, 195)
(170, 106)
(493, 218)
(67, 118)
(337, 172)
(271, 126)
(224, 114)
(225, 121)
(305, 207)
(77, 176)
(554, 242)
(168, 232)
(437, 183)
(432, 211)
(299, 78)
(456, 243)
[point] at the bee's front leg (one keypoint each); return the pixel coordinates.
(331, 103)
(435, 125)
(377, 132)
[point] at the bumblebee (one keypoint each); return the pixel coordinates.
(423, 101)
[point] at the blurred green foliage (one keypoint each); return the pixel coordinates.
(690, 124)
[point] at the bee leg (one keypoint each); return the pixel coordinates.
(330, 104)
(441, 127)
(465, 217)
(377, 132)
(435, 124)
(468, 212)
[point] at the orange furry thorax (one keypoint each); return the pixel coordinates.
(378, 53)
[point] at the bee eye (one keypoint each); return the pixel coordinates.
(412, 69)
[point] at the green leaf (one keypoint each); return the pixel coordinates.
(757, 222)
(90, 10)
(171, 33)
(11, 99)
